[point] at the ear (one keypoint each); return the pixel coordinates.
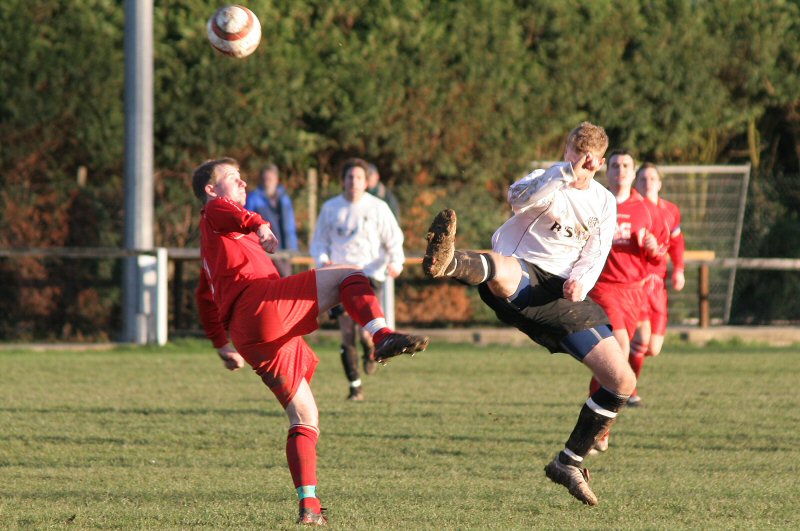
(210, 191)
(598, 163)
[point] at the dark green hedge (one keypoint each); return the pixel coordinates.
(451, 99)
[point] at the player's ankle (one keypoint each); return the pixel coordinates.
(381, 334)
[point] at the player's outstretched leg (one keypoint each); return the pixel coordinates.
(442, 260)
(361, 304)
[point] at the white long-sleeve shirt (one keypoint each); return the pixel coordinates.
(364, 234)
(563, 230)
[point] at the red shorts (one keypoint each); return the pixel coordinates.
(268, 322)
(622, 303)
(654, 307)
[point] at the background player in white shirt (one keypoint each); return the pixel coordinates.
(356, 228)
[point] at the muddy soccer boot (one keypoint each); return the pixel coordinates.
(576, 480)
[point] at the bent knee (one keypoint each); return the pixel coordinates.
(507, 275)
(627, 382)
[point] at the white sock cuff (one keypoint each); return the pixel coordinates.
(485, 268)
(356, 383)
(376, 324)
(573, 455)
(600, 410)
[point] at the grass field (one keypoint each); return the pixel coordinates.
(453, 439)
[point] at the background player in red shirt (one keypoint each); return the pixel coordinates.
(620, 288)
(241, 293)
(652, 326)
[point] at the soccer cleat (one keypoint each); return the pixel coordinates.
(574, 478)
(309, 517)
(634, 401)
(441, 244)
(356, 394)
(396, 343)
(370, 365)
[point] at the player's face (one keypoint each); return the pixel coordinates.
(270, 181)
(620, 172)
(355, 183)
(648, 183)
(229, 184)
(372, 179)
(572, 155)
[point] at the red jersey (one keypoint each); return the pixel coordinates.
(627, 261)
(231, 256)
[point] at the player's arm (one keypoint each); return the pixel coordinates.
(321, 241)
(392, 241)
(652, 251)
(677, 246)
(215, 331)
(289, 224)
(592, 259)
(535, 190)
(224, 216)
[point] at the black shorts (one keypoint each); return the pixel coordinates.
(548, 317)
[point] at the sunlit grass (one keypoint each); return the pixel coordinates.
(454, 438)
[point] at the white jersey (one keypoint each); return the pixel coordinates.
(364, 234)
(563, 230)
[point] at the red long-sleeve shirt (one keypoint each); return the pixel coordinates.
(231, 256)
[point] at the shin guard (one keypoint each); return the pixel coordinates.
(595, 419)
(471, 268)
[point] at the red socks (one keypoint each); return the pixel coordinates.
(636, 359)
(301, 453)
(359, 300)
(362, 305)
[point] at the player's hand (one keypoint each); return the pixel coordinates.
(651, 243)
(580, 169)
(573, 290)
(678, 280)
(232, 360)
(394, 270)
(267, 239)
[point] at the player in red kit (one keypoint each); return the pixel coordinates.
(619, 290)
(652, 326)
(241, 295)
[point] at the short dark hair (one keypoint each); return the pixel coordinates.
(202, 175)
(354, 163)
(619, 152)
(268, 167)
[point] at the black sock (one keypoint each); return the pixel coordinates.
(469, 268)
(350, 362)
(595, 419)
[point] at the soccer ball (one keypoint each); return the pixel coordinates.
(234, 31)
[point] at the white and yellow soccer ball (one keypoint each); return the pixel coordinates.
(234, 30)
